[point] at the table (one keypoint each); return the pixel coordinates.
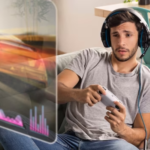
(103, 11)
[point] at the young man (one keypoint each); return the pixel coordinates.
(91, 125)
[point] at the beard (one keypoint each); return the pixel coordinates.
(133, 52)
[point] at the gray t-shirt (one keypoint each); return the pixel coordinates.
(94, 67)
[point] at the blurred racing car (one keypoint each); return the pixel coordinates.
(23, 62)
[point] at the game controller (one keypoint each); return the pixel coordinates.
(109, 98)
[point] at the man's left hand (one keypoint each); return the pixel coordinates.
(116, 118)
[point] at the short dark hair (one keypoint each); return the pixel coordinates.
(120, 18)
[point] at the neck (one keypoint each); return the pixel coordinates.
(123, 67)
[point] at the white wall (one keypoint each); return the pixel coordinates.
(78, 27)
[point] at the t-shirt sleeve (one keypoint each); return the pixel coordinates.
(79, 63)
(145, 103)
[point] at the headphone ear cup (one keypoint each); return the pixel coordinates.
(108, 37)
(143, 39)
(105, 36)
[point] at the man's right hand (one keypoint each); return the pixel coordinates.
(67, 79)
(89, 95)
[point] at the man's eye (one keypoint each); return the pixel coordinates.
(128, 35)
(115, 35)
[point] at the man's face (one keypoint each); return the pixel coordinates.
(124, 41)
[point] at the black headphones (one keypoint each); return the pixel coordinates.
(144, 34)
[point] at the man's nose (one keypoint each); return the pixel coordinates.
(121, 41)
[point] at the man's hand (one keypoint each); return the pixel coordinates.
(90, 94)
(116, 118)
